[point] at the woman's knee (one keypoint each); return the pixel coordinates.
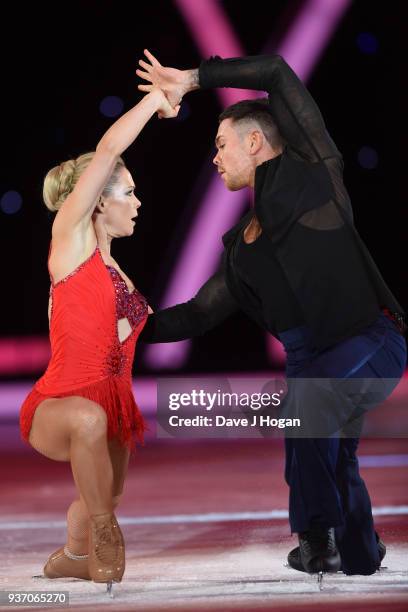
(89, 419)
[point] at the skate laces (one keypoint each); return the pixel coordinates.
(322, 539)
(106, 541)
(104, 535)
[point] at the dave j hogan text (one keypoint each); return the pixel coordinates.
(257, 420)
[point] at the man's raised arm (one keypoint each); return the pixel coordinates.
(293, 108)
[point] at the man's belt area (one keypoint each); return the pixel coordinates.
(397, 318)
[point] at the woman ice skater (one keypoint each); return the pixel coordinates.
(82, 409)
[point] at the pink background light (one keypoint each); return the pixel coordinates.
(24, 355)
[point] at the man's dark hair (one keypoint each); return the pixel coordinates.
(257, 110)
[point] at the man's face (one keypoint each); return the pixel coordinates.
(233, 161)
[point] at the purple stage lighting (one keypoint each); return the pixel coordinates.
(11, 202)
(111, 106)
(368, 158)
(367, 43)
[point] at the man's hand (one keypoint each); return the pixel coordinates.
(175, 83)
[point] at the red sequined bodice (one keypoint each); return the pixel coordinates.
(85, 346)
(129, 304)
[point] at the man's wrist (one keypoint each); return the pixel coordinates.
(191, 80)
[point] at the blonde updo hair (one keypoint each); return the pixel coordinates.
(61, 180)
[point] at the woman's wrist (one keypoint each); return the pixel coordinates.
(156, 97)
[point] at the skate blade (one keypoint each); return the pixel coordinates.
(38, 576)
(320, 580)
(109, 589)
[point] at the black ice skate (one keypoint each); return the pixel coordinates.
(295, 562)
(316, 553)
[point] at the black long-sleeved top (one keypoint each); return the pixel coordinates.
(305, 213)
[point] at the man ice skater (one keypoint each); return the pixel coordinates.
(297, 266)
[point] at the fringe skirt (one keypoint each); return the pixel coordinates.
(113, 394)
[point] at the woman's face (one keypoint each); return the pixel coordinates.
(121, 206)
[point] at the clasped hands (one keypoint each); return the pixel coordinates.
(172, 84)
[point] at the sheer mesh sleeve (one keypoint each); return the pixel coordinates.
(212, 304)
(295, 112)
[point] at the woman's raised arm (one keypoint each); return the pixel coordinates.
(76, 211)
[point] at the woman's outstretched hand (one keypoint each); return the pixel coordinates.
(170, 80)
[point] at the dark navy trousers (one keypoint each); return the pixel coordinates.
(325, 486)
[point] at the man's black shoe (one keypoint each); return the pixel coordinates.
(295, 562)
(317, 552)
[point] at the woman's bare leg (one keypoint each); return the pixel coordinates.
(56, 424)
(119, 456)
(77, 516)
(75, 429)
(77, 527)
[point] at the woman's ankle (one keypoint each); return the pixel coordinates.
(74, 555)
(77, 547)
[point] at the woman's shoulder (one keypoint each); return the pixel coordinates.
(68, 251)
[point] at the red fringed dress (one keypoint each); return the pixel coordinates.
(87, 357)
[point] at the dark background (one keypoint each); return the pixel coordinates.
(59, 62)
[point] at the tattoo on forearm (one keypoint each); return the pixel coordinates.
(193, 80)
